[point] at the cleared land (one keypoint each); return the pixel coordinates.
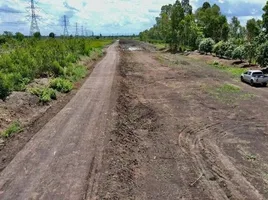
(165, 127)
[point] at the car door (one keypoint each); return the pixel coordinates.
(246, 76)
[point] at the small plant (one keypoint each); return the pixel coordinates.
(61, 85)
(45, 94)
(14, 128)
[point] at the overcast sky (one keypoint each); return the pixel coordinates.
(106, 16)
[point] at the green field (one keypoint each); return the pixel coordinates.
(23, 61)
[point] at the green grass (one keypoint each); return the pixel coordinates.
(228, 88)
(160, 46)
(229, 93)
(14, 128)
(100, 43)
(235, 71)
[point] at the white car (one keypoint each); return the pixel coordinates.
(254, 77)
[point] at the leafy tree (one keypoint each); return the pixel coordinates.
(239, 53)
(206, 5)
(8, 34)
(51, 35)
(250, 51)
(19, 36)
(213, 23)
(37, 35)
(235, 28)
(188, 9)
(265, 17)
(262, 57)
(176, 18)
(206, 46)
(253, 29)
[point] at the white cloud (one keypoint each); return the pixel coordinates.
(106, 16)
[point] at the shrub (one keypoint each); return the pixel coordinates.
(239, 53)
(61, 85)
(206, 45)
(230, 50)
(5, 88)
(75, 72)
(56, 69)
(45, 94)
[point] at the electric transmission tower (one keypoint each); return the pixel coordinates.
(34, 25)
(76, 30)
(65, 33)
(82, 31)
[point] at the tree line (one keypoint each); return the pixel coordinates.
(208, 30)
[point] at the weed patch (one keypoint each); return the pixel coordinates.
(45, 94)
(229, 93)
(14, 128)
(61, 85)
(235, 71)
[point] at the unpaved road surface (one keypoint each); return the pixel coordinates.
(61, 160)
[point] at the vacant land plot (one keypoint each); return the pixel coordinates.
(185, 130)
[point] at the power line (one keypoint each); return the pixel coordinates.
(34, 25)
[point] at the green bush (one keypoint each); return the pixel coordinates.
(5, 87)
(45, 94)
(61, 85)
(206, 45)
(262, 57)
(239, 53)
(75, 72)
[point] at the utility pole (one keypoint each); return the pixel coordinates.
(34, 26)
(76, 30)
(65, 33)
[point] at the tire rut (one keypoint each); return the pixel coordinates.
(203, 143)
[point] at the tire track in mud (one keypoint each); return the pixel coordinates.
(203, 143)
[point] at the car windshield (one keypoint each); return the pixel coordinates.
(257, 74)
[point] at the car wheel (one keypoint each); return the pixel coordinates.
(251, 83)
(242, 79)
(264, 84)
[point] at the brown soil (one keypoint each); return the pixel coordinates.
(174, 139)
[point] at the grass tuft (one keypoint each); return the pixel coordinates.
(14, 128)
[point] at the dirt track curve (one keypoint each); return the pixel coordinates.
(61, 160)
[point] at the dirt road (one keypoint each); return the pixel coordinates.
(62, 159)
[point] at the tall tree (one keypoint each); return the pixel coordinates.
(213, 23)
(176, 28)
(235, 27)
(265, 17)
(188, 9)
(253, 29)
